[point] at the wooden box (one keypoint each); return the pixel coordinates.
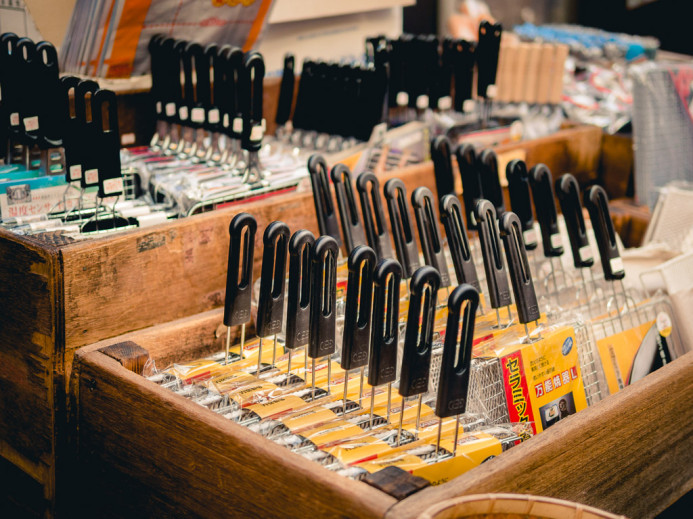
(58, 297)
(144, 451)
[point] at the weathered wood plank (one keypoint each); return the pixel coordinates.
(205, 465)
(629, 454)
(27, 352)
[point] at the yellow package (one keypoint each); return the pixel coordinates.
(633, 353)
(472, 450)
(542, 380)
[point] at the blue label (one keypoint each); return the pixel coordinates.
(567, 346)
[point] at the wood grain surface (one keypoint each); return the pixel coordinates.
(203, 465)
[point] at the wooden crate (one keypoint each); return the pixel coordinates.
(59, 296)
(139, 445)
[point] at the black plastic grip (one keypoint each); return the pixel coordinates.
(429, 232)
(400, 222)
(520, 201)
(418, 338)
(251, 90)
(90, 153)
(324, 297)
(453, 221)
(232, 119)
(348, 213)
(442, 165)
(597, 204)
(270, 306)
(471, 180)
(456, 362)
(299, 296)
(568, 192)
(545, 206)
(520, 273)
(373, 217)
(490, 181)
(496, 274)
(107, 140)
(357, 313)
(382, 366)
(239, 274)
(324, 207)
(286, 91)
(487, 55)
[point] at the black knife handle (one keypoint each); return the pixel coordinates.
(251, 101)
(108, 138)
(597, 204)
(239, 274)
(324, 207)
(453, 221)
(496, 273)
(520, 201)
(382, 366)
(405, 242)
(418, 338)
(324, 296)
(487, 55)
(286, 91)
(456, 362)
(85, 91)
(352, 229)
(442, 165)
(471, 180)
(545, 206)
(232, 118)
(429, 232)
(490, 181)
(568, 193)
(299, 296)
(520, 274)
(357, 313)
(373, 218)
(270, 307)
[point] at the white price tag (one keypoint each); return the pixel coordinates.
(14, 119)
(585, 253)
(616, 265)
(183, 113)
(31, 124)
(197, 115)
(113, 186)
(170, 109)
(91, 176)
(402, 99)
(445, 103)
(158, 107)
(556, 241)
(256, 133)
(238, 125)
(76, 172)
(213, 116)
(226, 121)
(530, 236)
(422, 102)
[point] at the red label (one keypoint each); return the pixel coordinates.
(516, 392)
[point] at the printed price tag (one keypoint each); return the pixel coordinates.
(556, 241)
(256, 133)
(158, 107)
(197, 115)
(113, 186)
(238, 125)
(183, 113)
(616, 265)
(213, 116)
(585, 253)
(14, 119)
(76, 172)
(91, 176)
(31, 124)
(170, 109)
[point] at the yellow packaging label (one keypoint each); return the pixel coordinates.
(472, 450)
(332, 432)
(617, 353)
(542, 379)
(278, 406)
